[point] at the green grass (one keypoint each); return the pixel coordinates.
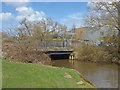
(24, 75)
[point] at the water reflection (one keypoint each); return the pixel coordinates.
(101, 75)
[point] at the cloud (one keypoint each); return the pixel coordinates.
(6, 17)
(17, 3)
(75, 16)
(76, 19)
(29, 13)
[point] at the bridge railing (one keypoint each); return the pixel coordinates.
(56, 44)
(52, 44)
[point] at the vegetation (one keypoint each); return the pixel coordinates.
(79, 34)
(24, 44)
(107, 54)
(10, 51)
(24, 75)
(102, 16)
(29, 39)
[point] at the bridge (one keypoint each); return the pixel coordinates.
(59, 49)
(57, 55)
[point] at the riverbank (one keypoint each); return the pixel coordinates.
(93, 72)
(13, 52)
(29, 75)
(100, 54)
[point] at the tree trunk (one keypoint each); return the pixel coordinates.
(119, 26)
(119, 42)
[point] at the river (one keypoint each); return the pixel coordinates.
(101, 75)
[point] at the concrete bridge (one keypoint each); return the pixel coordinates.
(57, 55)
(59, 49)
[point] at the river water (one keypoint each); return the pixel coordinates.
(100, 75)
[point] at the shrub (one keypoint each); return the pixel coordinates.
(96, 53)
(11, 52)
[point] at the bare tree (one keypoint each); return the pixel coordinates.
(104, 15)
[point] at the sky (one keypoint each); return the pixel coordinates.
(67, 13)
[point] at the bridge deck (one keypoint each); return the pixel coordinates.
(58, 53)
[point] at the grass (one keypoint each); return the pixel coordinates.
(26, 75)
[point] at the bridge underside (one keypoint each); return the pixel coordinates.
(59, 56)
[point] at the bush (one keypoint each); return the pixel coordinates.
(96, 53)
(11, 52)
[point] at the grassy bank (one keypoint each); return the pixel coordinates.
(28, 75)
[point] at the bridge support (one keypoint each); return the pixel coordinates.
(71, 57)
